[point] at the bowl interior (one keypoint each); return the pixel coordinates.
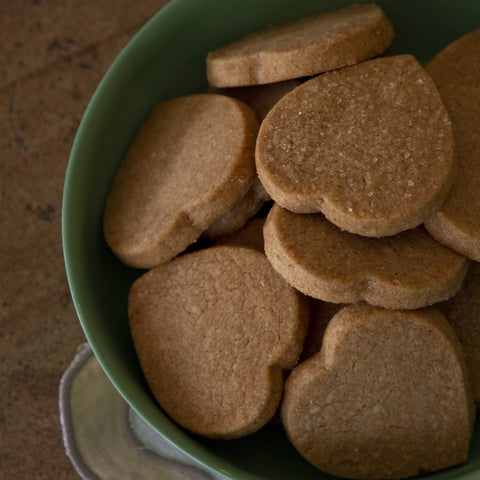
(167, 59)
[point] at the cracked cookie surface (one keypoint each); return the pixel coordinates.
(386, 397)
(214, 331)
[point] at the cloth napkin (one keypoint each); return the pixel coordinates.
(106, 440)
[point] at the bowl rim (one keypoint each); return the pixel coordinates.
(203, 455)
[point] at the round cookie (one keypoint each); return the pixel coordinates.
(409, 270)
(463, 312)
(214, 331)
(302, 48)
(457, 223)
(458, 63)
(387, 397)
(359, 144)
(191, 161)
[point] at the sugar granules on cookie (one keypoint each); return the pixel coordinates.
(214, 331)
(359, 145)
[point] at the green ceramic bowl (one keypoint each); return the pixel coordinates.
(167, 59)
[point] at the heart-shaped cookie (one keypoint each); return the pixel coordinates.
(458, 63)
(406, 271)
(463, 312)
(386, 397)
(457, 222)
(214, 330)
(191, 161)
(360, 144)
(302, 48)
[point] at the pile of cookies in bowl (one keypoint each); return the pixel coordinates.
(310, 231)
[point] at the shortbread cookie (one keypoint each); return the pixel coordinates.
(241, 212)
(457, 223)
(406, 271)
(361, 145)
(301, 48)
(320, 315)
(191, 161)
(458, 63)
(251, 235)
(214, 330)
(386, 397)
(463, 311)
(260, 98)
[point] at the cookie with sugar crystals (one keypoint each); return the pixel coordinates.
(214, 331)
(458, 63)
(406, 271)
(457, 222)
(359, 144)
(302, 48)
(261, 99)
(386, 397)
(191, 161)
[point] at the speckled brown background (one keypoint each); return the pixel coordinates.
(52, 56)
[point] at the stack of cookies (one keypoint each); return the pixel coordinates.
(352, 308)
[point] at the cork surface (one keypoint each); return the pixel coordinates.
(52, 56)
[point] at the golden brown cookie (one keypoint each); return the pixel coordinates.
(386, 397)
(458, 63)
(409, 270)
(260, 98)
(457, 223)
(191, 161)
(214, 330)
(360, 144)
(320, 315)
(301, 48)
(241, 212)
(463, 311)
(251, 235)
